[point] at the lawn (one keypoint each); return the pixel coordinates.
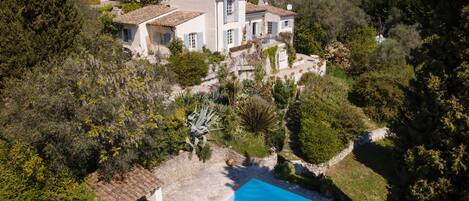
(368, 173)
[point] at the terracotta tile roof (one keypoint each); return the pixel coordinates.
(252, 8)
(143, 14)
(176, 18)
(134, 185)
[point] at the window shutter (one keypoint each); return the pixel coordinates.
(131, 37)
(225, 40)
(249, 32)
(167, 38)
(274, 28)
(236, 11)
(200, 40)
(236, 37)
(225, 3)
(186, 40)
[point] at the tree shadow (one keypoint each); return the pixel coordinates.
(382, 160)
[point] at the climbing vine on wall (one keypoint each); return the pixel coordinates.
(271, 53)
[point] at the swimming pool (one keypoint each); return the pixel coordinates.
(257, 190)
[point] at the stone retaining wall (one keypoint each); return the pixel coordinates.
(321, 169)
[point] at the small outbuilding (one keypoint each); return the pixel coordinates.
(138, 184)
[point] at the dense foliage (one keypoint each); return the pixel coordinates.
(34, 31)
(327, 120)
(433, 126)
(283, 92)
(190, 68)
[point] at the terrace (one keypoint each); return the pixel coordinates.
(214, 180)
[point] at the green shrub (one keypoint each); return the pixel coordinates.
(349, 121)
(213, 57)
(258, 116)
(131, 6)
(93, 2)
(176, 47)
(190, 68)
(284, 171)
(361, 42)
(381, 93)
(276, 139)
(318, 142)
(107, 23)
(389, 54)
(283, 92)
(204, 153)
(271, 53)
(307, 77)
(293, 118)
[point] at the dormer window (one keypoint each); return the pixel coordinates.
(229, 7)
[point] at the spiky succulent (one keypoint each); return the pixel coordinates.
(199, 123)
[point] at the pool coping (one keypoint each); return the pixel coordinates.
(266, 180)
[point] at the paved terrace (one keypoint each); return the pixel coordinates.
(192, 180)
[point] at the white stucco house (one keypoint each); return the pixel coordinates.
(216, 24)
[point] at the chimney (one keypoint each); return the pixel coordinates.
(289, 7)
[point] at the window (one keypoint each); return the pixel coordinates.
(166, 38)
(230, 36)
(192, 40)
(254, 27)
(127, 34)
(287, 23)
(229, 7)
(269, 27)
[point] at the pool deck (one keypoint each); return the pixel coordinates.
(192, 180)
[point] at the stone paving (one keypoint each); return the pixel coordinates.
(192, 180)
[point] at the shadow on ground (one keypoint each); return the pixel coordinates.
(381, 158)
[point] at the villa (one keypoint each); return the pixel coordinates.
(216, 24)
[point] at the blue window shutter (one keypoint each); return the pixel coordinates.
(225, 3)
(186, 40)
(167, 38)
(236, 11)
(200, 40)
(274, 28)
(236, 37)
(131, 37)
(225, 40)
(249, 34)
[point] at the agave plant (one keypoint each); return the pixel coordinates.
(199, 123)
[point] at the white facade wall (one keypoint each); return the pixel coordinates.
(155, 195)
(141, 42)
(236, 25)
(195, 25)
(208, 7)
(291, 24)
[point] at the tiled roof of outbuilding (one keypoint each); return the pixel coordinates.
(252, 8)
(143, 14)
(135, 184)
(176, 18)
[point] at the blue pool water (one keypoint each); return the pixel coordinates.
(257, 190)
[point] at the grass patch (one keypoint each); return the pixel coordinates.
(246, 144)
(368, 173)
